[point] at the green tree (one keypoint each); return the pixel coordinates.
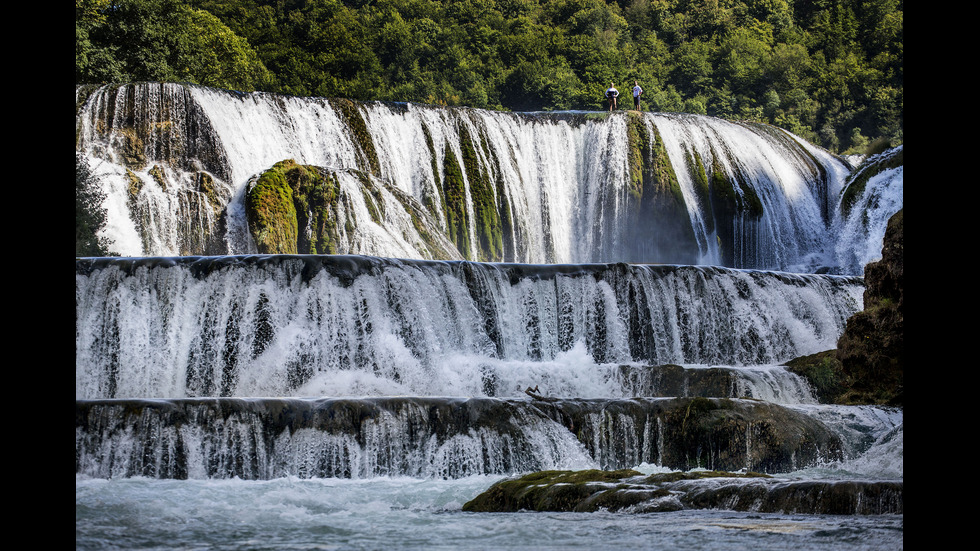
(218, 57)
(90, 215)
(163, 40)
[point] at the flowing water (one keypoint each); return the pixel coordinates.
(176, 161)
(226, 400)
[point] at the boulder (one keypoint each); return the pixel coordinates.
(629, 491)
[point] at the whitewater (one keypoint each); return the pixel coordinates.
(562, 179)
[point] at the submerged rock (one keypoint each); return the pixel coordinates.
(633, 492)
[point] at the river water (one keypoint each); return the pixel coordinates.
(422, 514)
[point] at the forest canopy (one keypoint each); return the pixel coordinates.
(830, 71)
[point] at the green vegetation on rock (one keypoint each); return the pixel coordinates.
(545, 490)
(291, 209)
(454, 197)
(659, 224)
(872, 348)
(588, 490)
(272, 213)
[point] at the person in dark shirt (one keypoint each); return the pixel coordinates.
(611, 94)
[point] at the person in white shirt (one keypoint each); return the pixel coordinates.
(611, 94)
(637, 92)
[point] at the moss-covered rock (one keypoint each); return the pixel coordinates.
(659, 227)
(353, 117)
(272, 213)
(824, 374)
(291, 209)
(867, 367)
(486, 223)
(302, 209)
(629, 491)
(454, 196)
(872, 349)
(732, 199)
(550, 491)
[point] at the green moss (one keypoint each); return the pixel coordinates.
(824, 373)
(660, 478)
(583, 491)
(292, 209)
(428, 201)
(733, 194)
(638, 140)
(489, 233)
(659, 226)
(665, 175)
(454, 192)
(702, 188)
(545, 490)
(371, 206)
(272, 213)
(731, 199)
(354, 121)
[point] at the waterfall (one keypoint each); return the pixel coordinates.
(176, 162)
(863, 215)
(427, 437)
(334, 325)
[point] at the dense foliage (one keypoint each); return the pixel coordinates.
(828, 70)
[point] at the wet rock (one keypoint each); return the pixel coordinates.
(631, 492)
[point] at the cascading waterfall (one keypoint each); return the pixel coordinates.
(792, 182)
(571, 187)
(328, 325)
(861, 224)
(184, 329)
(513, 292)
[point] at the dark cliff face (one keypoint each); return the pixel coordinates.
(871, 350)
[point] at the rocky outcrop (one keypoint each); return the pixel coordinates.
(305, 209)
(671, 380)
(867, 366)
(630, 491)
(871, 350)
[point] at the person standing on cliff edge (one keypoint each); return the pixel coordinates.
(611, 94)
(637, 92)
